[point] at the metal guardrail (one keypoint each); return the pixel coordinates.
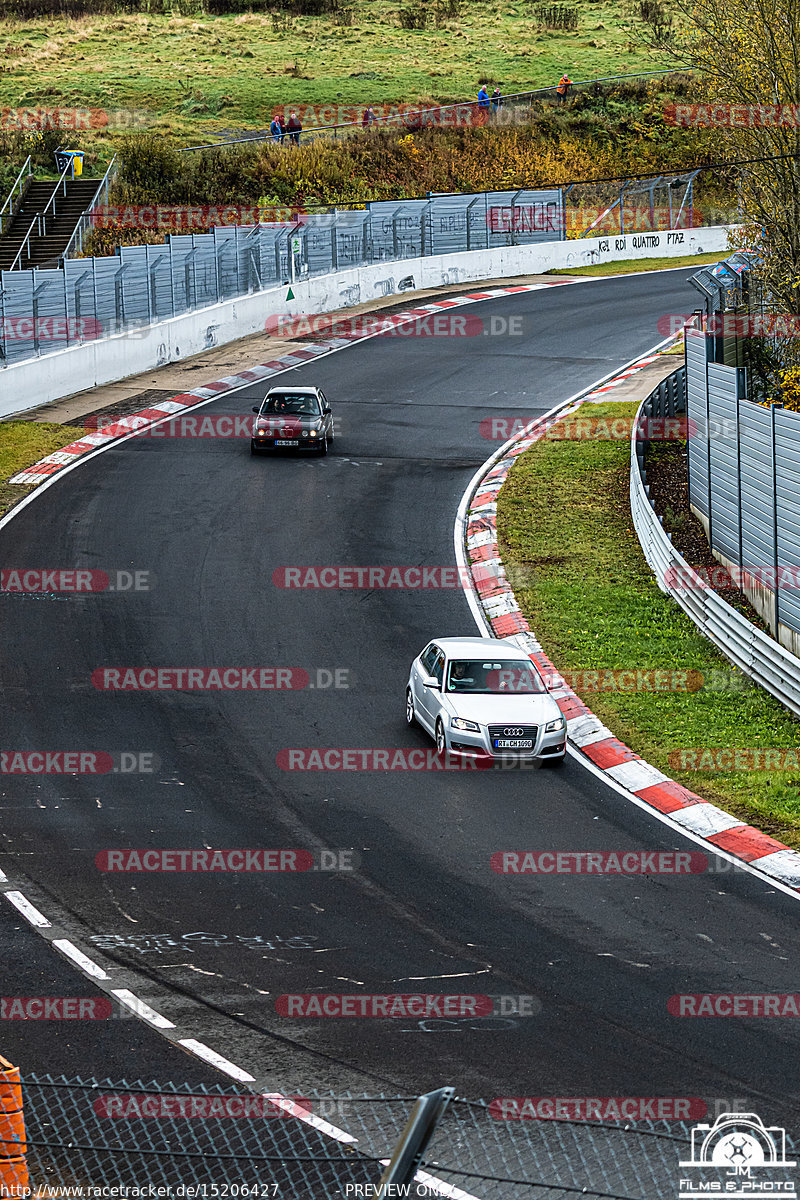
(755, 653)
(75, 243)
(426, 115)
(27, 171)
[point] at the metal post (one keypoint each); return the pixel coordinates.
(168, 242)
(425, 1116)
(775, 520)
(669, 201)
(622, 211)
(150, 285)
(741, 393)
(66, 306)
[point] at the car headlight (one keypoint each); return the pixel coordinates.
(313, 433)
(460, 723)
(303, 433)
(552, 726)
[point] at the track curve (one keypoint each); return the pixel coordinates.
(424, 912)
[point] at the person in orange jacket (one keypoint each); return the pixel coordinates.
(564, 84)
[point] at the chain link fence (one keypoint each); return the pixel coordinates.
(103, 1135)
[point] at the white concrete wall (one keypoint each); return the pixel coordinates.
(36, 381)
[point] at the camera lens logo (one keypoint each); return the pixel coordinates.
(734, 1146)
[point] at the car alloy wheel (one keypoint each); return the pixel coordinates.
(441, 740)
(409, 707)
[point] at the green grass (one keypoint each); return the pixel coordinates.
(213, 73)
(643, 264)
(23, 443)
(591, 599)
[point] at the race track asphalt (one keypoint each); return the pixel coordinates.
(423, 912)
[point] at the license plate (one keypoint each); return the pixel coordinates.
(513, 744)
(287, 443)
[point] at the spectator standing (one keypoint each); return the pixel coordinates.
(483, 97)
(276, 129)
(369, 119)
(564, 84)
(496, 101)
(294, 128)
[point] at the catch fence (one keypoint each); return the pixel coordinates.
(83, 299)
(744, 458)
(104, 1134)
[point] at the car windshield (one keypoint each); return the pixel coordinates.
(292, 405)
(516, 676)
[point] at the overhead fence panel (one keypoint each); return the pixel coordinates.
(787, 513)
(697, 413)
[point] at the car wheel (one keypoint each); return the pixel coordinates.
(441, 738)
(410, 714)
(323, 446)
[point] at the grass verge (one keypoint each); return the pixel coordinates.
(194, 74)
(644, 264)
(592, 601)
(23, 443)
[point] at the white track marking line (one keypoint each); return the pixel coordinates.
(80, 959)
(302, 1114)
(216, 1060)
(141, 1009)
(31, 914)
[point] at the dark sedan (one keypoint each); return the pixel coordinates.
(293, 419)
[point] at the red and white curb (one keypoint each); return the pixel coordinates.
(496, 610)
(129, 426)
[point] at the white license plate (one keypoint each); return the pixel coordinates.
(287, 443)
(513, 744)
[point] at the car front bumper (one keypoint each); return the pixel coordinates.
(471, 744)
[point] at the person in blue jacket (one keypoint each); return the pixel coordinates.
(276, 129)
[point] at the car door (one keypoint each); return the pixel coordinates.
(423, 666)
(327, 418)
(433, 698)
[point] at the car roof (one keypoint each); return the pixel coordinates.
(310, 391)
(477, 647)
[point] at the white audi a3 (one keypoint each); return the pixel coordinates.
(484, 696)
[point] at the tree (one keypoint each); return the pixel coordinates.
(747, 56)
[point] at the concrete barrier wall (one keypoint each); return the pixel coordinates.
(36, 381)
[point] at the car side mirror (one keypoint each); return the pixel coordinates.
(326, 409)
(255, 408)
(430, 681)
